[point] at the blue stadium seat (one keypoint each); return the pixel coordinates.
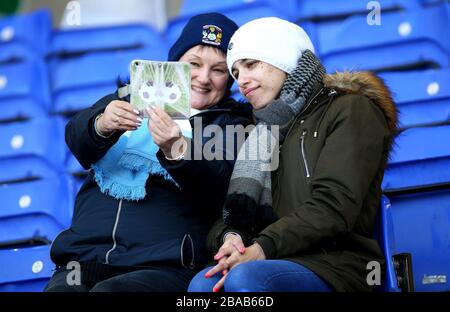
(431, 2)
(35, 210)
(30, 147)
(240, 15)
(322, 17)
(420, 159)
(422, 97)
(28, 269)
(26, 169)
(415, 229)
(123, 37)
(73, 166)
(78, 82)
(321, 10)
(22, 34)
(383, 234)
(24, 91)
(404, 40)
(193, 7)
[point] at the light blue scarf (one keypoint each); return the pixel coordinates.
(123, 172)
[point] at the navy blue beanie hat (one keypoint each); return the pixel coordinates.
(210, 29)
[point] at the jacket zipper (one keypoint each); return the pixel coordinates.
(114, 233)
(191, 265)
(304, 109)
(302, 138)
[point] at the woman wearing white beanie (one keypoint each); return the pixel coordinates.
(308, 225)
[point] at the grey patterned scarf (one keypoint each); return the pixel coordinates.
(248, 204)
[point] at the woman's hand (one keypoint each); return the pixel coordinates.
(253, 252)
(232, 243)
(166, 133)
(231, 254)
(118, 115)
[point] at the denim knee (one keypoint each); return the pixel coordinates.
(202, 284)
(242, 278)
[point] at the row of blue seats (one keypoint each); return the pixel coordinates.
(35, 31)
(32, 34)
(301, 10)
(32, 215)
(421, 27)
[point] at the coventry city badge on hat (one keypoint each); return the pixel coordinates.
(212, 35)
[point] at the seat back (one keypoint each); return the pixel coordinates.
(78, 82)
(403, 40)
(26, 269)
(121, 37)
(422, 97)
(323, 10)
(25, 36)
(415, 226)
(420, 159)
(37, 139)
(35, 210)
(192, 7)
(24, 90)
(239, 14)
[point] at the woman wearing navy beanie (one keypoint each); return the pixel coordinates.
(142, 216)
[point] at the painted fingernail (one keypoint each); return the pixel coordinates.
(224, 272)
(207, 275)
(139, 119)
(138, 124)
(216, 257)
(136, 111)
(242, 249)
(215, 289)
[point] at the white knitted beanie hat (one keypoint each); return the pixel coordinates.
(272, 40)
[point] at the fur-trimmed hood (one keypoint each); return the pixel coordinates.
(370, 85)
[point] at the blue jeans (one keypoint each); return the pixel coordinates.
(263, 276)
